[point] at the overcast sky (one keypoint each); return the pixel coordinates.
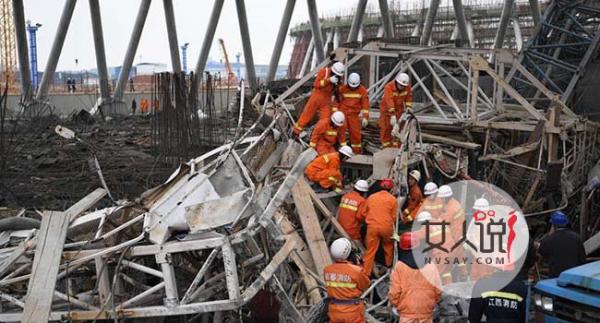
(192, 16)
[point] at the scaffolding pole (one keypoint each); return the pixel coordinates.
(280, 40)
(429, 20)
(22, 51)
(208, 39)
(534, 6)
(99, 48)
(504, 20)
(246, 44)
(172, 35)
(357, 20)
(57, 45)
(461, 21)
(315, 26)
(386, 19)
(134, 41)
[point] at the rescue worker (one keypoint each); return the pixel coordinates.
(562, 248)
(508, 304)
(379, 212)
(144, 106)
(354, 102)
(345, 282)
(397, 97)
(348, 209)
(419, 228)
(415, 196)
(413, 290)
(328, 132)
(432, 203)
(321, 97)
(481, 207)
(325, 169)
(453, 214)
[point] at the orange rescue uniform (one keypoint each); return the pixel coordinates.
(144, 105)
(353, 103)
(412, 293)
(454, 214)
(348, 214)
(325, 135)
(394, 103)
(380, 211)
(415, 198)
(434, 206)
(319, 100)
(325, 170)
(345, 283)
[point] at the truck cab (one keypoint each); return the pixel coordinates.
(572, 297)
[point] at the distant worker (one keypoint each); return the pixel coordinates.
(345, 283)
(432, 203)
(144, 105)
(415, 196)
(328, 132)
(348, 209)
(454, 214)
(133, 106)
(354, 102)
(325, 169)
(321, 96)
(156, 105)
(413, 288)
(379, 212)
(397, 97)
(562, 248)
(131, 87)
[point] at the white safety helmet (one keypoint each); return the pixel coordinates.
(340, 249)
(361, 185)
(481, 204)
(444, 191)
(415, 174)
(431, 188)
(338, 118)
(354, 80)
(402, 79)
(338, 68)
(346, 151)
(423, 216)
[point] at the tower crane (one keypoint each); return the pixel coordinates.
(8, 50)
(230, 75)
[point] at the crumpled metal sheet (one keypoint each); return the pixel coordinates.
(215, 213)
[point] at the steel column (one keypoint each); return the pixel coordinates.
(306, 61)
(57, 45)
(357, 20)
(386, 19)
(315, 26)
(246, 43)
(134, 41)
(518, 34)
(99, 47)
(280, 40)
(534, 6)
(461, 21)
(172, 35)
(504, 19)
(208, 39)
(22, 51)
(429, 19)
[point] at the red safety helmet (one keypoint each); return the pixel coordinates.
(407, 241)
(386, 184)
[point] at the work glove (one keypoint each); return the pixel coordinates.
(404, 117)
(364, 122)
(393, 121)
(334, 79)
(396, 236)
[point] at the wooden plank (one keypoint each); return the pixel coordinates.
(448, 141)
(51, 238)
(515, 151)
(84, 204)
(301, 257)
(310, 223)
(23, 247)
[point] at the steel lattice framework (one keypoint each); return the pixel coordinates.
(8, 50)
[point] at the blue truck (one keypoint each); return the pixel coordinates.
(572, 297)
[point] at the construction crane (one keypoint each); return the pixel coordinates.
(8, 50)
(230, 75)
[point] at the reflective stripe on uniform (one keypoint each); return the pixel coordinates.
(326, 158)
(512, 296)
(340, 284)
(446, 275)
(333, 179)
(322, 82)
(356, 145)
(298, 127)
(435, 233)
(459, 214)
(344, 143)
(433, 207)
(386, 144)
(334, 109)
(392, 110)
(352, 95)
(364, 111)
(408, 104)
(348, 206)
(331, 132)
(312, 144)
